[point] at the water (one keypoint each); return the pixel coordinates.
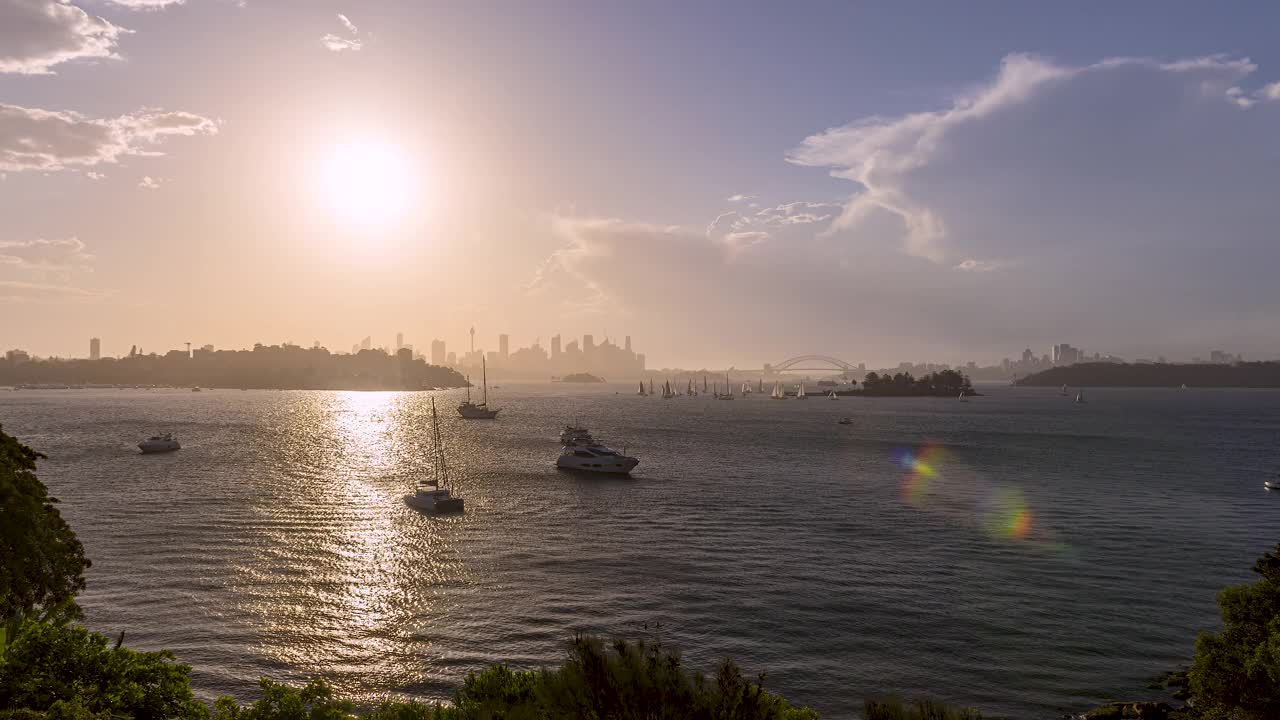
(276, 542)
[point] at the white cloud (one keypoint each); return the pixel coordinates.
(971, 265)
(338, 43)
(36, 35)
(64, 254)
(47, 140)
(149, 183)
(1270, 92)
(886, 157)
(739, 198)
(94, 175)
(146, 4)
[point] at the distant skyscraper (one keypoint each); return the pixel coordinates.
(95, 348)
(588, 344)
(504, 346)
(627, 344)
(399, 340)
(555, 347)
(452, 359)
(438, 356)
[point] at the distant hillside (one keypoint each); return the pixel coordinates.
(1244, 375)
(581, 378)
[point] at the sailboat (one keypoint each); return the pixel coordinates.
(800, 393)
(667, 393)
(746, 389)
(1080, 397)
(642, 393)
(777, 393)
(431, 495)
(728, 389)
(470, 410)
(1064, 391)
(833, 395)
(704, 384)
(690, 391)
(760, 387)
(962, 397)
(651, 386)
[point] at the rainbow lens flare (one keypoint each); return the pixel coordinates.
(922, 468)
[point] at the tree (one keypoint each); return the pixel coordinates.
(1236, 673)
(42, 562)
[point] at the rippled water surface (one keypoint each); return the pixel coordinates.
(1018, 552)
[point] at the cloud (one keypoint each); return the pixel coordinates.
(47, 140)
(146, 4)
(1270, 92)
(36, 35)
(149, 183)
(65, 254)
(338, 43)
(94, 175)
(887, 157)
(739, 198)
(20, 291)
(971, 265)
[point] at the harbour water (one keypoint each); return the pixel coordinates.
(1019, 553)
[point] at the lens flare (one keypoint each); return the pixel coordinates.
(935, 481)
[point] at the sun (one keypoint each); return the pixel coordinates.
(367, 183)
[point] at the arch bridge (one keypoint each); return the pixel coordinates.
(813, 363)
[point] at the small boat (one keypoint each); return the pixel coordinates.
(471, 411)
(1273, 484)
(832, 395)
(800, 393)
(651, 387)
(962, 397)
(582, 453)
(728, 389)
(642, 393)
(431, 495)
(844, 421)
(746, 389)
(159, 444)
(778, 393)
(195, 389)
(1080, 397)
(667, 392)
(1064, 391)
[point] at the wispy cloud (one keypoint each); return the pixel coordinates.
(339, 43)
(61, 254)
(46, 140)
(146, 4)
(21, 291)
(149, 183)
(740, 198)
(36, 35)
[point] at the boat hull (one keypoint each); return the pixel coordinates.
(435, 507)
(608, 466)
(1271, 484)
(477, 413)
(156, 448)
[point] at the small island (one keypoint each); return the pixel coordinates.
(581, 378)
(1104, 374)
(946, 383)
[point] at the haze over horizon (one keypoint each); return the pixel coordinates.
(911, 181)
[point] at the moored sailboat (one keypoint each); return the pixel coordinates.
(471, 411)
(431, 495)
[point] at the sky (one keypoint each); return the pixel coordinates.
(727, 183)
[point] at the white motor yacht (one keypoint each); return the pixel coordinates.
(159, 444)
(431, 495)
(581, 452)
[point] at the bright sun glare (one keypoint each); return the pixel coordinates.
(368, 183)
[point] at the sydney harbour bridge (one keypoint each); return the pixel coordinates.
(810, 363)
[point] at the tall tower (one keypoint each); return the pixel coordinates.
(95, 348)
(555, 346)
(628, 343)
(473, 338)
(399, 340)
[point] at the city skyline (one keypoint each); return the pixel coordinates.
(990, 186)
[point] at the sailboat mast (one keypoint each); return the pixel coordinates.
(484, 379)
(442, 468)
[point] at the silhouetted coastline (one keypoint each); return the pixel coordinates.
(1241, 375)
(274, 367)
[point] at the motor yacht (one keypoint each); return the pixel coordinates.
(159, 444)
(582, 453)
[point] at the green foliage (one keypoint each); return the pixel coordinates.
(42, 562)
(315, 701)
(895, 710)
(1236, 673)
(71, 672)
(945, 383)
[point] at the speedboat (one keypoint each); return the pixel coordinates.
(196, 389)
(581, 452)
(431, 495)
(844, 421)
(1272, 484)
(159, 444)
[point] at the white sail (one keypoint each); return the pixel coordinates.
(800, 393)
